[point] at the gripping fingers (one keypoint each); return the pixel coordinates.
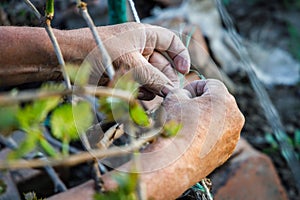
(165, 40)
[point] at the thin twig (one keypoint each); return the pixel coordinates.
(57, 143)
(134, 11)
(110, 135)
(23, 96)
(59, 186)
(81, 157)
(35, 11)
(53, 41)
(58, 53)
(106, 60)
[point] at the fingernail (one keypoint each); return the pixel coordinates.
(183, 66)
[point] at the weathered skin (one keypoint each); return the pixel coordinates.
(210, 117)
(211, 128)
(27, 54)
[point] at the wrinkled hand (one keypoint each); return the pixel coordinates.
(143, 49)
(211, 128)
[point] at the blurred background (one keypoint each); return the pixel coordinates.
(270, 33)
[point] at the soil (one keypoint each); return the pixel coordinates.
(269, 23)
(277, 16)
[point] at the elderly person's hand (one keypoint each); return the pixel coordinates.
(27, 55)
(211, 128)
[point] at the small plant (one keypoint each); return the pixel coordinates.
(274, 146)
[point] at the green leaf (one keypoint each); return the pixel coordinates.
(271, 140)
(27, 145)
(79, 75)
(37, 112)
(83, 116)
(297, 138)
(171, 128)
(8, 119)
(138, 115)
(47, 147)
(67, 120)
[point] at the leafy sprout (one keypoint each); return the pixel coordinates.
(8, 119)
(30, 118)
(69, 121)
(119, 110)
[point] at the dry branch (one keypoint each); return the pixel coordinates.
(81, 157)
(107, 63)
(10, 98)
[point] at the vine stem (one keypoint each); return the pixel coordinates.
(49, 16)
(134, 11)
(9, 98)
(81, 157)
(106, 60)
(58, 53)
(35, 11)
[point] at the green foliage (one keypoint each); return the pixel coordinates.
(68, 121)
(271, 140)
(171, 128)
(126, 191)
(27, 145)
(8, 119)
(47, 147)
(117, 109)
(79, 75)
(30, 118)
(138, 115)
(274, 146)
(35, 113)
(3, 187)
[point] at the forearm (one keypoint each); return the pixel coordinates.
(27, 54)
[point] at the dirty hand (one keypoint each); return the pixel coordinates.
(211, 124)
(131, 46)
(143, 48)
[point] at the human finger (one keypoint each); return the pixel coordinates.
(164, 40)
(161, 63)
(145, 74)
